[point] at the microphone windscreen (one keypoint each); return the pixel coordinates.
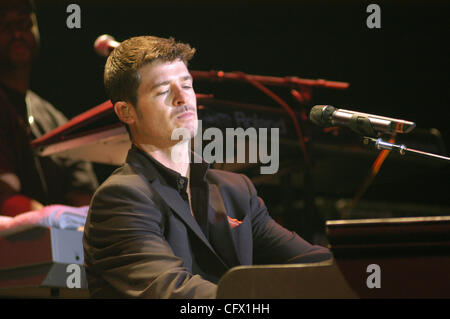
(321, 115)
(104, 44)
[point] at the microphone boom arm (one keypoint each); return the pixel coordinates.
(401, 149)
(269, 80)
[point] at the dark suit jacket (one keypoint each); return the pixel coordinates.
(141, 239)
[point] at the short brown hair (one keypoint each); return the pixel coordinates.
(121, 77)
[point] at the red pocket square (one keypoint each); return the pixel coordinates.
(233, 222)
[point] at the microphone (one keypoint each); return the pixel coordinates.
(104, 44)
(327, 115)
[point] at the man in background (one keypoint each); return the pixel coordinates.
(29, 182)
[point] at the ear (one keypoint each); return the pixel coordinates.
(125, 112)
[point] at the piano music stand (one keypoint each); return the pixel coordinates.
(310, 281)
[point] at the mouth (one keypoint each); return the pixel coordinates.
(185, 115)
(19, 47)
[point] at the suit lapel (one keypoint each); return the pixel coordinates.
(219, 229)
(173, 199)
(181, 208)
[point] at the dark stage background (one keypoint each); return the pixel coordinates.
(401, 71)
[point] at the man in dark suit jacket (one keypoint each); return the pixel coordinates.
(162, 225)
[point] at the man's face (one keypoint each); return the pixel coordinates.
(18, 38)
(166, 101)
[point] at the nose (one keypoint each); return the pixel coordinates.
(18, 34)
(179, 97)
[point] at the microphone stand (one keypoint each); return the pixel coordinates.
(361, 125)
(400, 148)
(313, 222)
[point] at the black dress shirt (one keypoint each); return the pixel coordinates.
(197, 183)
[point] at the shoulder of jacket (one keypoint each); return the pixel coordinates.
(221, 175)
(123, 177)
